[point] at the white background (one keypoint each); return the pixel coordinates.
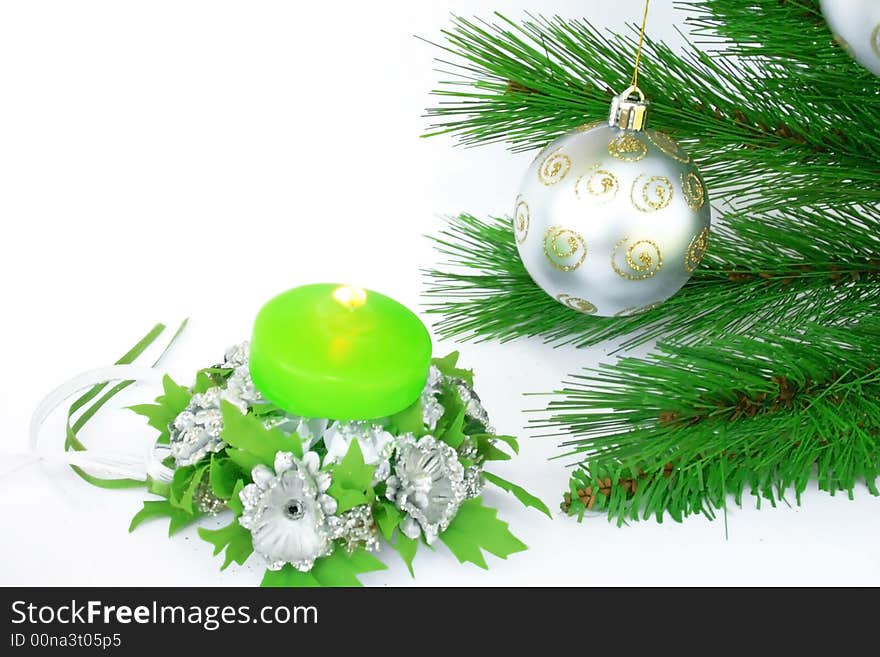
(167, 159)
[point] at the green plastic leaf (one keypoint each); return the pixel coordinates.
(387, 517)
(244, 460)
(451, 426)
(233, 538)
(476, 528)
(179, 483)
(487, 449)
(364, 562)
(234, 501)
(447, 365)
(410, 420)
(340, 569)
(176, 396)
(181, 480)
(178, 518)
(160, 488)
(511, 441)
(184, 485)
(453, 433)
(352, 480)
(197, 478)
(518, 492)
(248, 433)
(224, 475)
(407, 548)
(167, 407)
(203, 382)
(289, 577)
(265, 409)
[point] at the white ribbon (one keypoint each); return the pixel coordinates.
(106, 464)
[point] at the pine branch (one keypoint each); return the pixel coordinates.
(767, 372)
(760, 29)
(679, 431)
(769, 130)
(759, 271)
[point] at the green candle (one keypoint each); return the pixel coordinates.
(339, 352)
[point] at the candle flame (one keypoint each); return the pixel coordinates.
(350, 296)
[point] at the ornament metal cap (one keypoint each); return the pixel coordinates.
(629, 110)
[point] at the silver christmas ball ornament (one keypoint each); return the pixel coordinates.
(612, 219)
(855, 25)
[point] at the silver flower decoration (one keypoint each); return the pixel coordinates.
(377, 445)
(432, 409)
(196, 431)
(236, 355)
(287, 511)
(428, 485)
(474, 409)
(240, 389)
(473, 481)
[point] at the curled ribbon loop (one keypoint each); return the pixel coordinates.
(109, 464)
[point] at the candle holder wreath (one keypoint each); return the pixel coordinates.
(331, 431)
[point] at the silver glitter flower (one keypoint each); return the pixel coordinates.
(236, 355)
(474, 409)
(428, 484)
(377, 445)
(240, 389)
(432, 409)
(287, 511)
(196, 431)
(473, 481)
(356, 528)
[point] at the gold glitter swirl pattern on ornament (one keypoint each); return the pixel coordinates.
(696, 250)
(600, 184)
(628, 148)
(668, 145)
(652, 194)
(565, 249)
(875, 40)
(694, 193)
(554, 168)
(521, 219)
(626, 312)
(586, 127)
(643, 260)
(577, 304)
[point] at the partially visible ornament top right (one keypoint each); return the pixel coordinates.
(856, 26)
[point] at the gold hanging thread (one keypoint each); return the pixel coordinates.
(635, 77)
(629, 110)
